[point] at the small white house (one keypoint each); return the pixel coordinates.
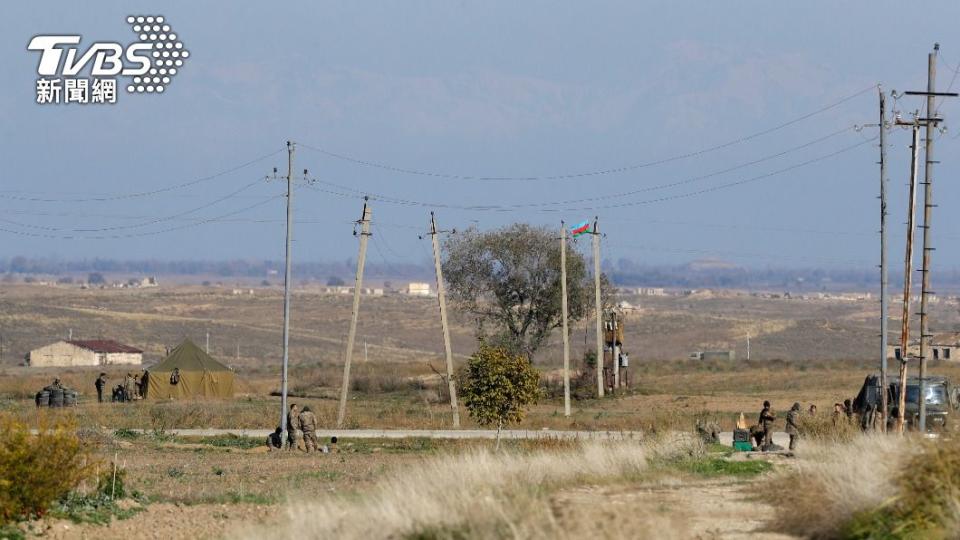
(93, 352)
(418, 289)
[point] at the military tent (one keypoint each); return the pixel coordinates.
(189, 372)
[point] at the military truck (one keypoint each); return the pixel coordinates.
(941, 399)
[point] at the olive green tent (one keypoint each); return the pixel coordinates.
(189, 372)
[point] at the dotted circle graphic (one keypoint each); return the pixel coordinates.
(166, 50)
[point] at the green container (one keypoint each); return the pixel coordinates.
(742, 447)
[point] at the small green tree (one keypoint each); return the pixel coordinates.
(497, 387)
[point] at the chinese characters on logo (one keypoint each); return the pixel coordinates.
(76, 90)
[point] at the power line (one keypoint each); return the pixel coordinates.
(613, 170)
(142, 224)
(141, 193)
(143, 234)
(523, 207)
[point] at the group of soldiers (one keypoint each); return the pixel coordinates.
(132, 388)
(301, 433)
(762, 432)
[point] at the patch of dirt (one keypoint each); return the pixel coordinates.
(704, 510)
(168, 521)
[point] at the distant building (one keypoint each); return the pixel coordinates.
(651, 291)
(943, 346)
(93, 352)
(418, 289)
(713, 355)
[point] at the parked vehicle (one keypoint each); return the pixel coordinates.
(941, 399)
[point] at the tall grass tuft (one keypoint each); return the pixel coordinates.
(832, 483)
(481, 494)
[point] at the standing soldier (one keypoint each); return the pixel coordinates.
(766, 423)
(294, 429)
(793, 420)
(128, 387)
(308, 423)
(100, 384)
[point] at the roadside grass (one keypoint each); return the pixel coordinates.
(479, 493)
(834, 486)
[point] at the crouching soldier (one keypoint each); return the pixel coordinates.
(308, 423)
(275, 440)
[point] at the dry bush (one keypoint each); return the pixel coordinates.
(826, 428)
(36, 470)
(832, 483)
(480, 494)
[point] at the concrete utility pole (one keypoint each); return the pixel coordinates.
(884, 307)
(748, 346)
(566, 333)
(442, 300)
(358, 283)
(930, 123)
(925, 291)
(598, 305)
(613, 351)
(207, 348)
(287, 282)
(907, 275)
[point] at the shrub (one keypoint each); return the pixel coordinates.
(498, 386)
(37, 470)
(826, 428)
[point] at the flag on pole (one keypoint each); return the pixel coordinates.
(581, 228)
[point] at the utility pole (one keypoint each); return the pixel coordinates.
(207, 348)
(442, 300)
(907, 275)
(563, 303)
(884, 307)
(364, 235)
(287, 279)
(931, 123)
(236, 358)
(598, 304)
(925, 291)
(613, 351)
(748, 346)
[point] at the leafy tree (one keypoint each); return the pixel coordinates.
(95, 278)
(510, 279)
(497, 386)
(334, 281)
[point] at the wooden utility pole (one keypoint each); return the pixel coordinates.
(358, 283)
(442, 299)
(907, 275)
(566, 332)
(598, 305)
(884, 297)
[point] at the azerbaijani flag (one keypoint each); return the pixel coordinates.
(581, 228)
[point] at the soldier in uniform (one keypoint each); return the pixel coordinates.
(294, 430)
(308, 423)
(275, 440)
(128, 387)
(100, 384)
(766, 422)
(793, 420)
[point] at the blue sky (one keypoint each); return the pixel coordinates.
(481, 89)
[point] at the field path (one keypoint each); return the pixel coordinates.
(720, 509)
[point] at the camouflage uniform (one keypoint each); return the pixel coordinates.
(766, 422)
(294, 430)
(308, 423)
(275, 440)
(793, 419)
